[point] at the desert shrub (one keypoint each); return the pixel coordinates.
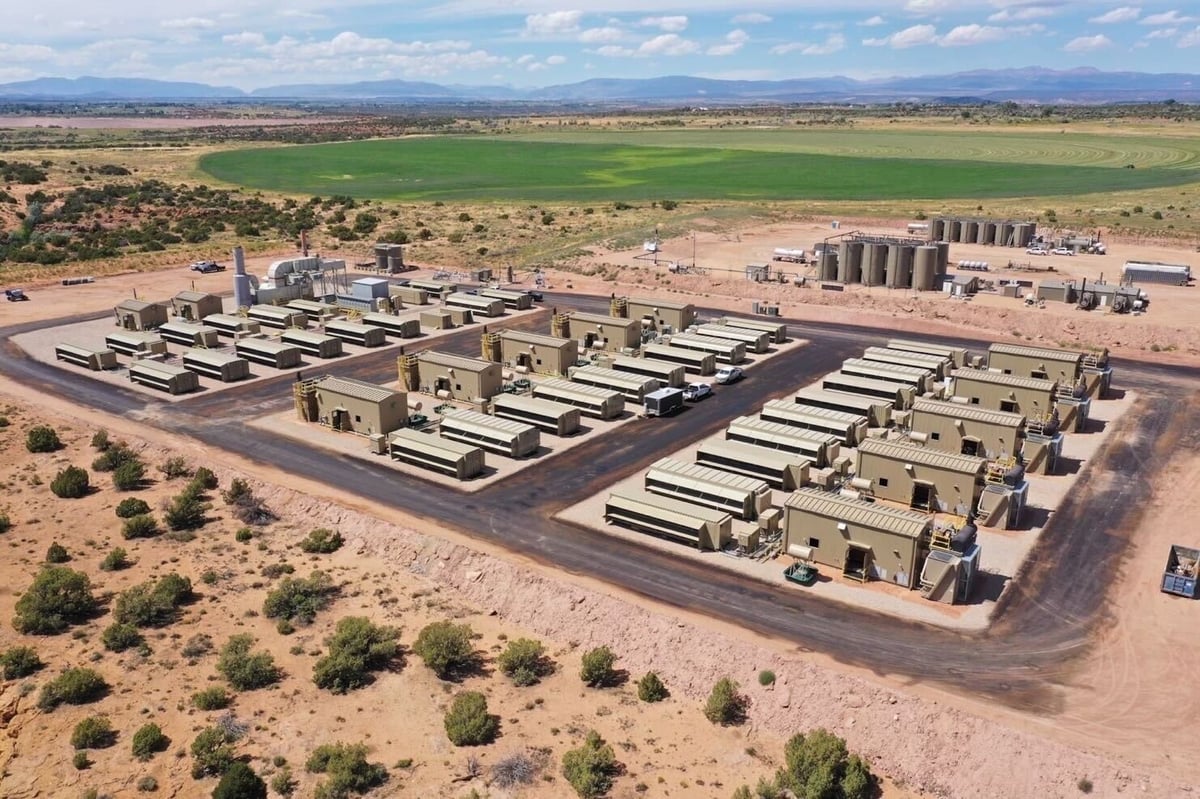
(42, 438)
(346, 769)
(132, 506)
(196, 646)
(203, 480)
(273, 570)
(76, 686)
(238, 490)
(58, 598)
(19, 661)
(446, 648)
(515, 770)
(141, 526)
(57, 553)
(322, 541)
(147, 784)
(468, 722)
(766, 677)
(154, 603)
(597, 667)
(356, 649)
(100, 441)
(129, 476)
(243, 535)
(725, 705)
(148, 741)
(244, 669)
(119, 637)
(590, 768)
(1084, 785)
(668, 205)
(80, 760)
(70, 483)
(300, 598)
(212, 752)
(245, 506)
(174, 468)
(115, 560)
(523, 661)
(94, 732)
(113, 456)
(818, 765)
(5, 522)
(240, 782)
(186, 512)
(214, 698)
(283, 783)
(651, 688)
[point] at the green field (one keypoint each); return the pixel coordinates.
(598, 166)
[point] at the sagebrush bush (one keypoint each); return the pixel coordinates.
(596, 669)
(76, 686)
(42, 438)
(142, 525)
(186, 511)
(446, 648)
(115, 560)
(300, 598)
(119, 637)
(240, 782)
(129, 476)
(114, 456)
(523, 661)
(244, 669)
(590, 768)
(148, 741)
(70, 483)
(94, 732)
(18, 662)
(356, 649)
(651, 688)
(725, 705)
(57, 553)
(213, 698)
(58, 598)
(5, 522)
(174, 468)
(132, 506)
(212, 752)
(154, 603)
(346, 768)
(468, 723)
(322, 541)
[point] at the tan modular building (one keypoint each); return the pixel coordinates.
(785, 471)
(940, 365)
(1000, 392)
(277, 316)
(217, 365)
(491, 433)
(460, 317)
(920, 379)
(437, 320)
(592, 401)
(190, 335)
(516, 300)
(356, 333)
(967, 429)
(605, 332)
(537, 352)
(139, 315)
(96, 360)
(1069, 367)
(231, 325)
(171, 379)
(133, 343)
(921, 477)
(308, 342)
(453, 458)
(878, 412)
(458, 378)
(848, 428)
(694, 361)
(863, 540)
(434, 288)
(400, 327)
(957, 355)
(820, 448)
(900, 395)
(315, 311)
(551, 417)
(673, 375)
(269, 352)
(725, 350)
(479, 306)
(658, 314)
(633, 387)
(409, 295)
(673, 519)
(195, 305)
(743, 497)
(355, 406)
(755, 340)
(777, 330)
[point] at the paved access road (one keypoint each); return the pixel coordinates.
(1044, 620)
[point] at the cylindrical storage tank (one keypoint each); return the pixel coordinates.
(899, 267)
(874, 264)
(829, 265)
(925, 268)
(395, 263)
(850, 262)
(970, 232)
(381, 257)
(937, 230)
(1022, 235)
(1004, 232)
(953, 229)
(986, 233)
(943, 262)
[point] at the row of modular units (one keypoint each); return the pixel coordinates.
(777, 330)
(821, 448)
(740, 496)
(779, 469)
(920, 379)
(671, 375)
(592, 401)
(694, 361)
(161, 376)
(968, 429)
(920, 477)
(725, 350)
(516, 300)
(96, 360)
(633, 388)
(437, 454)
(941, 366)
(548, 416)
(268, 352)
(502, 436)
(128, 342)
(434, 288)
(217, 365)
(317, 345)
(234, 326)
(900, 395)
(190, 334)
(957, 355)
(277, 316)
(757, 341)
(666, 517)
(479, 306)
(315, 311)
(849, 428)
(877, 412)
(409, 295)
(393, 325)
(356, 333)
(1075, 368)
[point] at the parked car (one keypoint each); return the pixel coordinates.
(1062, 251)
(1037, 251)
(206, 267)
(536, 295)
(693, 392)
(15, 295)
(729, 374)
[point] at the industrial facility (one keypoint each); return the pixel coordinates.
(968, 230)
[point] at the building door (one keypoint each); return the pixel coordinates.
(441, 384)
(922, 495)
(971, 446)
(858, 562)
(589, 339)
(340, 419)
(524, 359)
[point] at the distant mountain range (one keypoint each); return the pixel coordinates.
(1029, 85)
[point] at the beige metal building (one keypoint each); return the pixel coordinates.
(863, 540)
(548, 416)
(161, 376)
(785, 471)
(657, 314)
(673, 375)
(96, 360)
(139, 315)
(190, 334)
(1027, 396)
(967, 429)
(453, 458)
(505, 437)
(605, 332)
(957, 355)
(217, 365)
(277, 316)
(849, 428)
(673, 519)
(514, 300)
(878, 412)
(195, 305)
(940, 365)
(631, 386)
(743, 497)
(135, 343)
(756, 341)
(592, 401)
(725, 350)
(537, 352)
(920, 477)
(459, 378)
(355, 406)
(437, 320)
(1041, 363)
(777, 330)
(231, 325)
(479, 306)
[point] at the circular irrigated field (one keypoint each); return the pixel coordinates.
(717, 165)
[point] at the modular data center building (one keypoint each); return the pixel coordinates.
(537, 352)
(459, 378)
(920, 477)
(356, 406)
(605, 332)
(192, 306)
(967, 429)
(139, 315)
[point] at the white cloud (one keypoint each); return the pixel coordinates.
(528, 58)
(753, 18)
(970, 35)
(1169, 18)
(15, 53)
(245, 39)
(668, 24)
(189, 24)
(1088, 44)
(556, 60)
(669, 44)
(1022, 14)
(827, 26)
(873, 22)
(1122, 14)
(734, 41)
(914, 36)
(556, 23)
(1162, 33)
(1190, 39)
(832, 44)
(615, 51)
(927, 7)
(598, 35)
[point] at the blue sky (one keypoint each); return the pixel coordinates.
(251, 43)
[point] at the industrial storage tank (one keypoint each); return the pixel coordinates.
(899, 265)
(381, 257)
(1023, 233)
(828, 265)
(850, 262)
(970, 232)
(953, 229)
(1004, 233)
(943, 262)
(987, 233)
(874, 263)
(937, 230)
(925, 268)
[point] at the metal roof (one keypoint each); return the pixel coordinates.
(1001, 379)
(893, 355)
(692, 472)
(269, 345)
(133, 337)
(743, 334)
(191, 328)
(228, 319)
(816, 393)
(193, 296)
(473, 420)
(1041, 353)
(753, 324)
(920, 347)
(614, 378)
(859, 512)
(540, 339)
(273, 311)
(653, 303)
(710, 343)
(524, 402)
(567, 388)
(824, 414)
(693, 356)
(668, 506)
(307, 336)
(911, 453)
(79, 349)
(652, 364)
(975, 413)
(309, 305)
(778, 428)
(347, 325)
(775, 458)
(601, 319)
(357, 389)
(414, 438)
(806, 413)
(135, 305)
(473, 300)
(501, 294)
(158, 367)
(837, 378)
(910, 372)
(456, 361)
(210, 357)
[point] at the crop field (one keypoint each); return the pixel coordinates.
(718, 165)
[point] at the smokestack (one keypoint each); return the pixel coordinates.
(242, 294)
